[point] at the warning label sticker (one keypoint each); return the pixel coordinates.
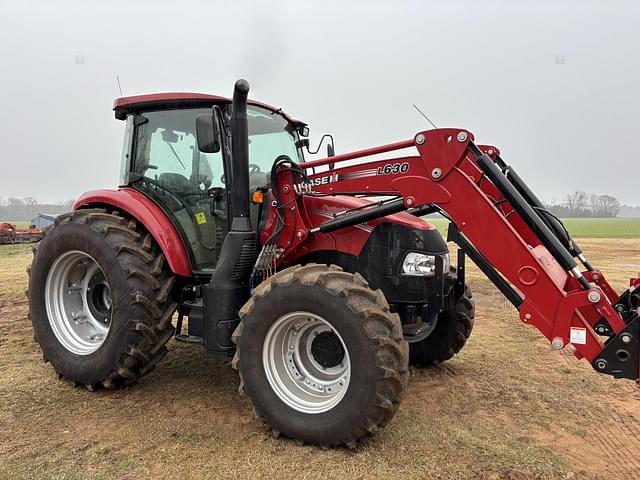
(200, 218)
(578, 336)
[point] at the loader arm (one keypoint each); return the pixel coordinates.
(495, 219)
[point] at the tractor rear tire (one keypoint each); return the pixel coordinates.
(449, 335)
(321, 356)
(130, 291)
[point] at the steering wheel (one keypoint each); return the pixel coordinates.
(253, 168)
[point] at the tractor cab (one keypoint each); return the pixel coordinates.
(162, 160)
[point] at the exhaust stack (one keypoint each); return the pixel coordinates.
(228, 289)
(239, 181)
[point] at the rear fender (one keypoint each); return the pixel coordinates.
(145, 211)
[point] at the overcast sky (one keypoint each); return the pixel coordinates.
(554, 84)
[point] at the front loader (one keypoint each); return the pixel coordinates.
(319, 278)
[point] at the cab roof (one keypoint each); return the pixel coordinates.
(161, 101)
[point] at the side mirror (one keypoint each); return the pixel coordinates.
(331, 153)
(169, 136)
(208, 133)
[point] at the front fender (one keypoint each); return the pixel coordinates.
(145, 211)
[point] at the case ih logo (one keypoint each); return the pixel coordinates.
(323, 180)
(388, 169)
(301, 188)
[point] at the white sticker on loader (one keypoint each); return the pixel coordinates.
(578, 336)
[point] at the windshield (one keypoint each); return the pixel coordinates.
(270, 136)
(191, 185)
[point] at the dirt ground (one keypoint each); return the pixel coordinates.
(506, 407)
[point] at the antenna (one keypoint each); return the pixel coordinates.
(422, 113)
(120, 87)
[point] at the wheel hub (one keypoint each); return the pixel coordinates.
(78, 302)
(327, 349)
(306, 362)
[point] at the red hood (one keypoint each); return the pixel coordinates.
(328, 206)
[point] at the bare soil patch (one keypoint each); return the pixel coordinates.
(505, 407)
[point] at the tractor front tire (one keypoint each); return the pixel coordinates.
(100, 299)
(449, 335)
(321, 356)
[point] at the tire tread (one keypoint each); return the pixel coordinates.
(151, 284)
(370, 306)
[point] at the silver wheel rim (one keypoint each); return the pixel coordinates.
(78, 302)
(299, 376)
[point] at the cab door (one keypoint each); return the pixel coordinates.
(186, 183)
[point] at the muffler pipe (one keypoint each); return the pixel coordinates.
(240, 158)
(228, 289)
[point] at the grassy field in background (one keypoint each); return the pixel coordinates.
(578, 227)
(603, 227)
(581, 227)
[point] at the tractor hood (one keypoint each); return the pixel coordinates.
(353, 240)
(324, 208)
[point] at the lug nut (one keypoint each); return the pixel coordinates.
(626, 338)
(601, 364)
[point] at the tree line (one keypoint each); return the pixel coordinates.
(577, 204)
(581, 204)
(13, 209)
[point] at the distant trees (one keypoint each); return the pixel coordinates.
(13, 209)
(629, 211)
(580, 204)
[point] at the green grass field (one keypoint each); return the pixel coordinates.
(581, 227)
(578, 227)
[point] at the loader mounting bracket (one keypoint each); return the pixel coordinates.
(621, 354)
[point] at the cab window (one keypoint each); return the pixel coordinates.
(171, 169)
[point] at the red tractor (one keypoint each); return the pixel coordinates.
(319, 277)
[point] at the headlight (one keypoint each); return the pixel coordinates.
(421, 264)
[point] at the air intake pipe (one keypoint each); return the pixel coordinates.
(240, 159)
(228, 289)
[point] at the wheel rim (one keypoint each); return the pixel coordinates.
(78, 302)
(306, 362)
(422, 332)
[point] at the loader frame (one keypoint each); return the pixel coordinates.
(496, 220)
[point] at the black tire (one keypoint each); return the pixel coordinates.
(449, 336)
(372, 336)
(141, 287)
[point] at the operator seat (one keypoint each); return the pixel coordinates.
(177, 183)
